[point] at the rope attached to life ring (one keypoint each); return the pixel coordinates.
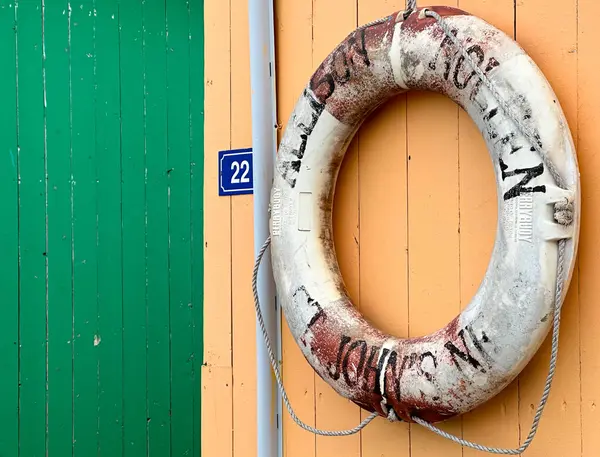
(563, 214)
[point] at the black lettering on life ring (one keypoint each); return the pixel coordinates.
(338, 362)
(363, 354)
(374, 369)
(446, 41)
(520, 187)
(477, 51)
(338, 67)
(492, 63)
(477, 342)
(373, 362)
(465, 356)
(357, 49)
(290, 168)
(320, 314)
(321, 91)
(422, 357)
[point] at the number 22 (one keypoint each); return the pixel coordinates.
(245, 166)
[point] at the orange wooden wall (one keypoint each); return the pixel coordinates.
(413, 241)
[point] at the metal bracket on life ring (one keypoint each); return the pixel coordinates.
(474, 357)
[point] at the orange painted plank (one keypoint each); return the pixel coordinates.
(217, 229)
(383, 230)
(495, 423)
(589, 252)
(332, 411)
(242, 246)
(549, 35)
(217, 421)
(293, 29)
(433, 238)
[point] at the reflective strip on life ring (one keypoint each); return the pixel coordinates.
(483, 349)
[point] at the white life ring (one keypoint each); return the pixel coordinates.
(484, 348)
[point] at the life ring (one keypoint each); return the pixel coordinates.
(483, 349)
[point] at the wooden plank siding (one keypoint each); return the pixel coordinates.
(101, 230)
(413, 241)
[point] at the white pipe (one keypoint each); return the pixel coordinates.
(264, 145)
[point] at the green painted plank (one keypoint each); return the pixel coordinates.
(159, 440)
(197, 199)
(9, 236)
(134, 238)
(84, 201)
(182, 383)
(60, 303)
(122, 399)
(108, 157)
(32, 231)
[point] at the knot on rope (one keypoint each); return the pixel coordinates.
(563, 212)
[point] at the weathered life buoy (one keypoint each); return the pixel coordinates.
(484, 348)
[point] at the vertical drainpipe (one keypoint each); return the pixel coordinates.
(264, 146)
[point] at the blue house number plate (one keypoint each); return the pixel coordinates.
(235, 172)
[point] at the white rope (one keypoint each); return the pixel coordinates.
(563, 215)
(503, 103)
(547, 385)
(411, 6)
(286, 400)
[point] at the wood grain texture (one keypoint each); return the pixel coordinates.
(157, 226)
(9, 233)
(60, 303)
(217, 371)
(414, 225)
(31, 157)
(588, 142)
(110, 261)
(97, 335)
(134, 246)
(182, 381)
(84, 199)
(242, 244)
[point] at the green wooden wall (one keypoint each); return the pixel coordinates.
(101, 175)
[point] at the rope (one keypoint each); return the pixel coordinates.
(503, 103)
(284, 396)
(547, 385)
(411, 6)
(563, 215)
(392, 417)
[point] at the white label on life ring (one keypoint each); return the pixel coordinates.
(305, 211)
